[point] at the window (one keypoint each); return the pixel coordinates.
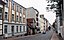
(17, 8)
(5, 29)
(20, 28)
(24, 28)
(16, 18)
(20, 19)
(20, 10)
(6, 15)
(12, 17)
(12, 5)
(6, 3)
(0, 16)
(0, 10)
(0, 13)
(17, 29)
(23, 20)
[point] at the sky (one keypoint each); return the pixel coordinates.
(40, 5)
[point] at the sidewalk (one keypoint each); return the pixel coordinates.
(1, 38)
(14, 38)
(54, 36)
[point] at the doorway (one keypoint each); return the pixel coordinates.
(12, 30)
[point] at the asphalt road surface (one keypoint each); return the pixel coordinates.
(46, 36)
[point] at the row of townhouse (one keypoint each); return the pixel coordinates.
(43, 24)
(35, 23)
(12, 18)
(17, 20)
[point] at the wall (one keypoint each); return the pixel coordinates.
(30, 13)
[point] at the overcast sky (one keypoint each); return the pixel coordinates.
(40, 5)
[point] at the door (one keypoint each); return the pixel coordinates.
(12, 30)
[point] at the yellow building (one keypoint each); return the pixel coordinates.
(13, 19)
(2, 4)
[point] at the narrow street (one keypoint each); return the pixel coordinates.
(31, 19)
(46, 36)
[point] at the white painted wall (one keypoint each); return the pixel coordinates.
(30, 13)
(16, 13)
(9, 29)
(41, 24)
(15, 29)
(22, 28)
(25, 28)
(0, 21)
(18, 28)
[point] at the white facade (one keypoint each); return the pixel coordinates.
(14, 32)
(30, 13)
(41, 24)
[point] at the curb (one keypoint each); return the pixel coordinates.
(20, 37)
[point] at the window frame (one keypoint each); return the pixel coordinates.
(17, 18)
(20, 19)
(17, 29)
(17, 7)
(5, 29)
(6, 14)
(20, 10)
(12, 5)
(24, 28)
(12, 17)
(20, 28)
(1, 13)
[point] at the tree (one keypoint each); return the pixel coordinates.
(59, 8)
